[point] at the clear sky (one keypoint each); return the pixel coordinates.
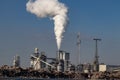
(21, 31)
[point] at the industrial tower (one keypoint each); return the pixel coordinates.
(96, 61)
(78, 45)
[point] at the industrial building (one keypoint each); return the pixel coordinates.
(64, 61)
(16, 61)
(36, 58)
(40, 61)
(110, 68)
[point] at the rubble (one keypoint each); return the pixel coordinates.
(6, 71)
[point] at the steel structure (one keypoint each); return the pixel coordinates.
(96, 61)
(78, 44)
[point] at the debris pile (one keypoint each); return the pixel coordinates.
(106, 75)
(6, 71)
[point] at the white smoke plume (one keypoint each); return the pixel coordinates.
(51, 8)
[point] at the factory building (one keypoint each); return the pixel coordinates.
(63, 59)
(36, 60)
(60, 63)
(16, 61)
(44, 58)
(111, 68)
(86, 67)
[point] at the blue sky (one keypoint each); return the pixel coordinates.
(21, 31)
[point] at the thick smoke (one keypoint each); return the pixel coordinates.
(51, 8)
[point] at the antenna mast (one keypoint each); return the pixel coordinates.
(78, 45)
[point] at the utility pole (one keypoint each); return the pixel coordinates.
(96, 61)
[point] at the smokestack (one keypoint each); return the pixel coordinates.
(51, 8)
